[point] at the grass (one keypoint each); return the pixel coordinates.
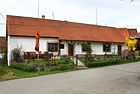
(2, 71)
(22, 74)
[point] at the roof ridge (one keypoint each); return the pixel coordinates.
(64, 21)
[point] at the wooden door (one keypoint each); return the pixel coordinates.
(70, 49)
(119, 49)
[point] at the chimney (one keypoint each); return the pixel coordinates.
(43, 16)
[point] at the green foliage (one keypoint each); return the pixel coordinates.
(17, 54)
(65, 61)
(63, 67)
(2, 71)
(55, 62)
(46, 59)
(87, 47)
(22, 67)
(53, 69)
(105, 63)
(22, 74)
(4, 57)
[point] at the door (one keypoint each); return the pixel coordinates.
(119, 49)
(70, 49)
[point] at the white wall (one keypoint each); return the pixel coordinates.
(97, 48)
(65, 50)
(28, 44)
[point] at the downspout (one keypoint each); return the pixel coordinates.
(8, 51)
(59, 47)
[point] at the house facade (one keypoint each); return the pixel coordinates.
(62, 37)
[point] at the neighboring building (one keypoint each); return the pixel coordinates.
(63, 37)
(3, 45)
(133, 32)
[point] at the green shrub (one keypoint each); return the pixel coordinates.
(22, 67)
(4, 57)
(46, 59)
(53, 69)
(63, 67)
(17, 54)
(51, 64)
(66, 61)
(2, 71)
(105, 63)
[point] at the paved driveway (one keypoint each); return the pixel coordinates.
(119, 79)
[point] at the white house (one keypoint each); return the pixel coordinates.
(63, 37)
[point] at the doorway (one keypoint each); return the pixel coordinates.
(70, 49)
(119, 50)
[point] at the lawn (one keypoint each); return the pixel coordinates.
(16, 71)
(7, 73)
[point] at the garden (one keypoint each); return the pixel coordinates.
(21, 68)
(36, 68)
(101, 62)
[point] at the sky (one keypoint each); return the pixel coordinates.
(114, 13)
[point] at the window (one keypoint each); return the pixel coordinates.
(53, 47)
(83, 48)
(61, 46)
(107, 47)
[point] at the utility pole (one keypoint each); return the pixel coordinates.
(38, 8)
(96, 17)
(53, 15)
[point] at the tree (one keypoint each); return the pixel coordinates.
(131, 44)
(87, 47)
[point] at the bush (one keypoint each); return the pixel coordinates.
(63, 67)
(46, 59)
(22, 67)
(53, 69)
(17, 54)
(65, 61)
(51, 64)
(4, 57)
(2, 71)
(105, 63)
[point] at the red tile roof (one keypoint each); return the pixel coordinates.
(64, 30)
(132, 32)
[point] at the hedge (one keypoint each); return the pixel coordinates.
(105, 63)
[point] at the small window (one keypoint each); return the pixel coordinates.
(107, 47)
(53, 47)
(61, 46)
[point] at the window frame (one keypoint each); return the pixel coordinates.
(60, 46)
(52, 47)
(106, 48)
